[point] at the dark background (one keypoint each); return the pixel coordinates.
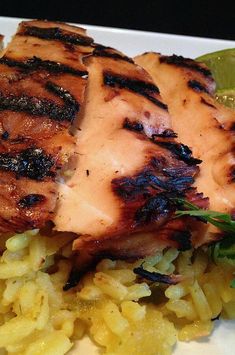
(214, 19)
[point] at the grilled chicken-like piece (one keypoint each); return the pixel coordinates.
(203, 124)
(129, 166)
(42, 83)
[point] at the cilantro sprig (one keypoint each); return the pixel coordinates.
(223, 251)
(223, 221)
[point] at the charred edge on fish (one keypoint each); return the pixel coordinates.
(128, 188)
(31, 200)
(154, 208)
(32, 163)
(197, 86)
(182, 151)
(232, 174)
(133, 125)
(183, 239)
(188, 63)
(42, 107)
(167, 133)
(232, 127)
(36, 63)
(103, 52)
(138, 86)
(203, 101)
(5, 135)
(56, 33)
(64, 94)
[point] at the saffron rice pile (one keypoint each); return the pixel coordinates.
(122, 313)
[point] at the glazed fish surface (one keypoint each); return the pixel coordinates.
(129, 166)
(42, 83)
(203, 124)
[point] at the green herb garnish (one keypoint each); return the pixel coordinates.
(223, 251)
(232, 284)
(222, 221)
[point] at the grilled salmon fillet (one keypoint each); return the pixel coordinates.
(42, 83)
(129, 166)
(203, 124)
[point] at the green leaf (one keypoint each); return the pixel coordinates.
(232, 284)
(224, 252)
(222, 221)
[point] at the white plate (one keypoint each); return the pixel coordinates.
(222, 341)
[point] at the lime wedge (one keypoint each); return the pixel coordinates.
(222, 66)
(226, 97)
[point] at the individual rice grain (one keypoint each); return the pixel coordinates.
(165, 264)
(25, 295)
(54, 343)
(195, 330)
(133, 310)
(18, 242)
(229, 309)
(114, 319)
(110, 286)
(14, 269)
(215, 301)
(15, 330)
(200, 302)
(64, 320)
(182, 308)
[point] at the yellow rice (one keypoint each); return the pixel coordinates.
(121, 313)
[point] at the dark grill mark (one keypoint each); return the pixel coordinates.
(5, 135)
(133, 125)
(232, 174)
(99, 47)
(42, 107)
(36, 63)
(20, 140)
(31, 200)
(153, 209)
(183, 239)
(56, 33)
(137, 86)
(131, 188)
(74, 278)
(188, 63)
(156, 276)
(203, 101)
(65, 95)
(168, 133)
(182, 151)
(132, 84)
(232, 127)
(32, 163)
(175, 172)
(101, 52)
(197, 86)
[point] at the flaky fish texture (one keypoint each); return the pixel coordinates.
(42, 82)
(200, 122)
(129, 166)
(206, 126)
